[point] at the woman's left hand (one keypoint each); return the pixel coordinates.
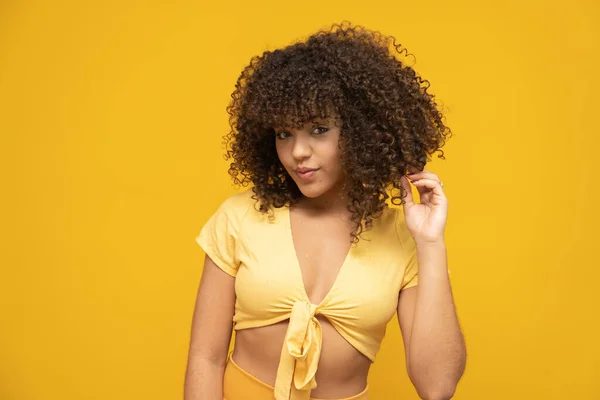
(426, 220)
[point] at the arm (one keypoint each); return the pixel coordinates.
(211, 334)
(433, 342)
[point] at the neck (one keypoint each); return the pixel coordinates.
(333, 201)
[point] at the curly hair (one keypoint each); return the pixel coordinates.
(389, 122)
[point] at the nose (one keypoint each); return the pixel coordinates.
(301, 147)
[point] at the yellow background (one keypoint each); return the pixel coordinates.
(111, 117)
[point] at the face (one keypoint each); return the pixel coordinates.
(314, 147)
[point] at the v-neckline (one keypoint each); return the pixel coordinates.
(298, 268)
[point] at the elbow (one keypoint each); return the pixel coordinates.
(437, 383)
(434, 389)
(437, 393)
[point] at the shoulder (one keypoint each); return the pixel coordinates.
(237, 205)
(391, 228)
(241, 199)
(391, 222)
(400, 224)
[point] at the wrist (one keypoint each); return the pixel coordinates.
(431, 244)
(432, 257)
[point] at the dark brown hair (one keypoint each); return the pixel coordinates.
(388, 119)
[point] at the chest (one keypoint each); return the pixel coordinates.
(288, 260)
(321, 248)
(313, 259)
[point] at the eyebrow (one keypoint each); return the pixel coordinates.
(322, 121)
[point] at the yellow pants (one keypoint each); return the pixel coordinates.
(238, 384)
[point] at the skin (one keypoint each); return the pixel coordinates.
(315, 146)
(432, 339)
(322, 210)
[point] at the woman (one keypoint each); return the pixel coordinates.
(310, 264)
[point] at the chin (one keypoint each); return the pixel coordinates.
(313, 190)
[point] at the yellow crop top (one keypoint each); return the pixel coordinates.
(269, 287)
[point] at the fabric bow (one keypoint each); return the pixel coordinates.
(300, 354)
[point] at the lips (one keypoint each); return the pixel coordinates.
(307, 173)
(305, 170)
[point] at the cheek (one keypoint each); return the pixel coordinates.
(334, 156)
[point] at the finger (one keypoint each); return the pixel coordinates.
(423, 174)
(432, 184)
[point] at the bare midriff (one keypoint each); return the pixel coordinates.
(342, 370)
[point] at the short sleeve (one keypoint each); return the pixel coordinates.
(409, 252)
(219, 236)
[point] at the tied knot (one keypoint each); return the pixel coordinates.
(301, 353)
(302, 330)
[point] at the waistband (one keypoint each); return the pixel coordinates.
(239, 384)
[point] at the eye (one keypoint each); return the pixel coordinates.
(320, 130)
(279, 134)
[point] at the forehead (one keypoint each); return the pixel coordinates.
(298, 117)
(291, 123)
(298, 123)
